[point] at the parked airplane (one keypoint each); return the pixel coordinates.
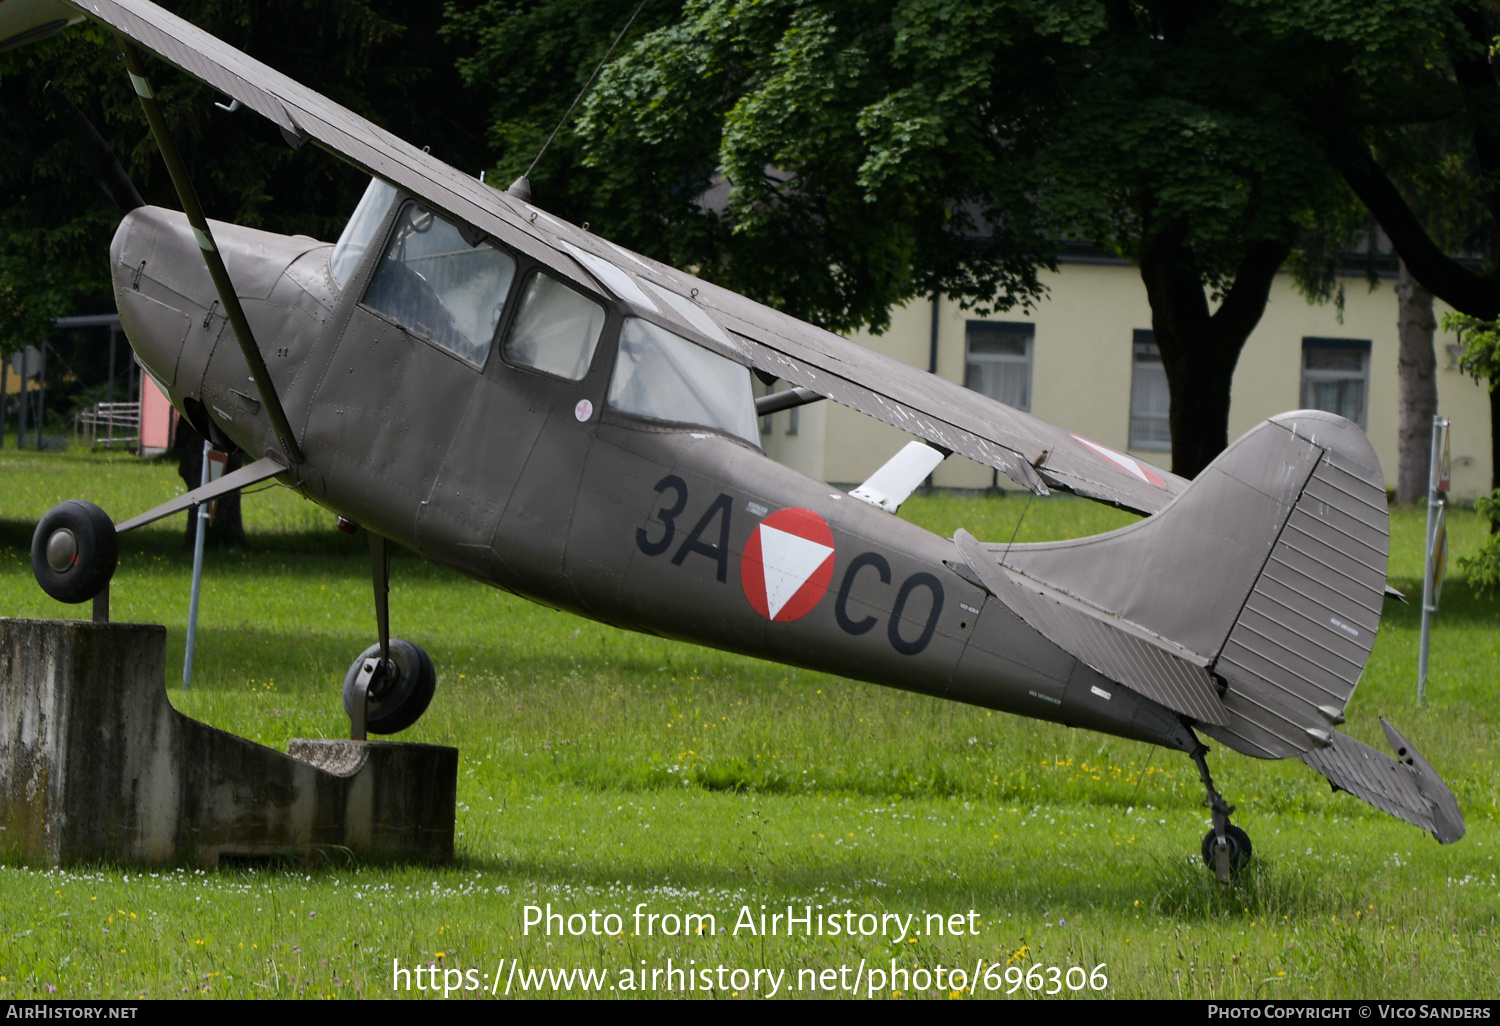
(511, 396)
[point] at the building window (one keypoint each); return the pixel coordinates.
(1150, 400)
(1336, 376)
(998, 361)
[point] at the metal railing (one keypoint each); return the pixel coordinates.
(109, 425)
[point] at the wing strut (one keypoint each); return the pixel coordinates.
(216, 269)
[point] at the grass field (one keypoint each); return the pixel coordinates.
(601, 770)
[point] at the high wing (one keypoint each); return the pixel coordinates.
(1031, 452)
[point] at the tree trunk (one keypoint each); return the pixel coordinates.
(1417, 369)
(1199, 350)
(227, 530)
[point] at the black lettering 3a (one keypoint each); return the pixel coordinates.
(721, 509)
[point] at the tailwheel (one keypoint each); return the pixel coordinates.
(397, 690)
(1226, 849)
(1238, 843)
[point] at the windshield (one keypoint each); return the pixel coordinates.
(436, 285)
(362, 226)
(665, 377)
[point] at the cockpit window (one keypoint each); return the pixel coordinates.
(556, 329)
(665, 377)
(361, 229)
(436, 285)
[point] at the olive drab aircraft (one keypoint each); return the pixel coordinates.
(516, 398)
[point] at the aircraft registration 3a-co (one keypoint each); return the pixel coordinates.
(518, 399)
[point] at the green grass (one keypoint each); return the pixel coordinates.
(600, 769)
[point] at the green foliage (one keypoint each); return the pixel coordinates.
(833, 160)
(1481, 340)
(379, 57)
(1483, 568)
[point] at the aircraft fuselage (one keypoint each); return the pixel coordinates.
(537, 485)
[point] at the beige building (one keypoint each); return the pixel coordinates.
(1084, 359)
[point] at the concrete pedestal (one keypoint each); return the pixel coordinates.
(95, 764)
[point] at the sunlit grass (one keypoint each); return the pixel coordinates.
(600, 769)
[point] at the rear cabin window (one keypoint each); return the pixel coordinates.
(556, 329)
(665, 377)
(436, 285)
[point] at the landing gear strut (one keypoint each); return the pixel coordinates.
(1226, 849)
(389, 686)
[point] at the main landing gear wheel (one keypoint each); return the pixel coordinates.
(74, 551)
(400, 690)
(1239, 848)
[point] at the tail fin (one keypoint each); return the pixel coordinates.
(1249, 604)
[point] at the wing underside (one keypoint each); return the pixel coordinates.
(1031, 452)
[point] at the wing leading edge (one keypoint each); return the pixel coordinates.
(1028, 450)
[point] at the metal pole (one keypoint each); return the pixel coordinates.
(192, 629)
(1433, 502)
(109, 394)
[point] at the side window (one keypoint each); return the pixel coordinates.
(556, 329)
(436, 285)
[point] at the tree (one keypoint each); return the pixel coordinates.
(1408, 111)
(384, 59)
(878, 152)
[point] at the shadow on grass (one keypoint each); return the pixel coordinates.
(166, 539)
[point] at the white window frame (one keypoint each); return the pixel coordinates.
(1140, 418)
(1312, 376)
(1009, 329)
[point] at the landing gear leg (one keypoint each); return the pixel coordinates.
(1226, 848)
(391, 683)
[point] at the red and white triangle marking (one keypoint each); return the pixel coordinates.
(787, 564)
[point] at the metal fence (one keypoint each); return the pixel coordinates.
(109, 425)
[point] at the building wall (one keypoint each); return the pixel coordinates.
(1081, 376)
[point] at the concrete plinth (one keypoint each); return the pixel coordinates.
(95, 764)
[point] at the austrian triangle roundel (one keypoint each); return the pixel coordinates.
(787, 564)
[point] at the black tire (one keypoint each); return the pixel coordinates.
(397, 699)
(74, 551)
(1239, 849)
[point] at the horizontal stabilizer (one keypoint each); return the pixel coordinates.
(1407, 787)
